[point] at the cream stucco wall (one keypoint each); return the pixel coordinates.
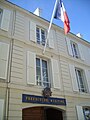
(20, 41)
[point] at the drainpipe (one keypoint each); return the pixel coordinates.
(7, 96)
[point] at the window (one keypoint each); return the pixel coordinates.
(1, 11)
(42, 72)
(40, 35)
(75, 51)
(86, 111)
(4, 56)
(1, 109)
(80, 79)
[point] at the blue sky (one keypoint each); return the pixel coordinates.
(78, 12)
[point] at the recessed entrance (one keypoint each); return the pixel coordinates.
(53, 114)
(41, 113)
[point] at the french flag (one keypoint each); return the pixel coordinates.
(61, 14)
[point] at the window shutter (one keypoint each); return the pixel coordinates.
(69, 46)
(87, 74)
(51, 39)
(5, 20)
(73, 78)
(55, 74)
(80, 113)
(32, 31)
(1, 109)
(81, 51)
(4, 54)
(31, 68)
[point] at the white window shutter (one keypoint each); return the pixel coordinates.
(32, 31)
(81, 51)
(80, 114)
(51, 39)
(69, 46)
(87, 74)
(55, 74)
(73, 78)
(4, 54)
(31, 68)
(1, 109)
(5, 20)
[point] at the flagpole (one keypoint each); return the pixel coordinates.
(50, 25)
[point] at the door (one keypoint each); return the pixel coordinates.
(35, 113)
(41, 113)
(53, 114)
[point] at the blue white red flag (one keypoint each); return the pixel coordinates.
(61, 14)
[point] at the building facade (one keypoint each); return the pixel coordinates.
(36, 86)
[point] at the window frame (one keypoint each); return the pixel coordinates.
(2, 102)
(1, 14)
(41, 42)
(75, 50)
(41, 73)
(82, 81)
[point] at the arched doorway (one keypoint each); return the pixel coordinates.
(42, 113)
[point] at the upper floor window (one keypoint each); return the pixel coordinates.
(75, 50)
(4, 56)
(80, 80)
(42, 72)
(40, 35)
(5, 19)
